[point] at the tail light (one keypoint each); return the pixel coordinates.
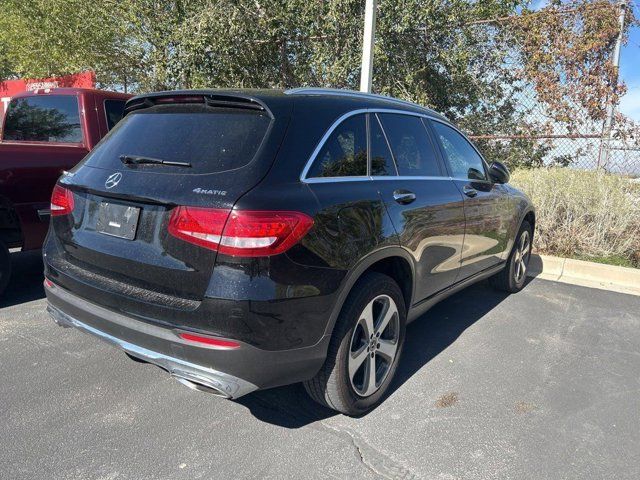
(61, 201)
(241, 233)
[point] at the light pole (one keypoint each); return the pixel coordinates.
(366, 69)
(603, 155)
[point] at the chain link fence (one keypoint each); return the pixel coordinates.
(540, 141)
(537, 134)
(537, 138)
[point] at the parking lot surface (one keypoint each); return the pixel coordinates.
(543, 384)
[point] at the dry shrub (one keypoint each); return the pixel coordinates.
(583, 213)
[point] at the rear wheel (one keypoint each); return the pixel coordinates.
(512, 277)
(365, 347)
(5, 266)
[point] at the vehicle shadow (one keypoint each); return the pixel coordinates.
(429, 335)
(26, 280)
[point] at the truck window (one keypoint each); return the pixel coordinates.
(53, 118)
(114, 109)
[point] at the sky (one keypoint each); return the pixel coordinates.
(629, 64)
(630, 69)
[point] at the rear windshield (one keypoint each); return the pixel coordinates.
(211, 140)
(48, 118)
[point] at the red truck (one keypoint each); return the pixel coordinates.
(44, 133)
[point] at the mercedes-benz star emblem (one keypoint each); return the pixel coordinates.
(113, 180)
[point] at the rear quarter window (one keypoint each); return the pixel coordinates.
(344, 154)
(211, 140)
(51, 118)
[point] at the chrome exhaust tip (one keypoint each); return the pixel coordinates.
(200, 384)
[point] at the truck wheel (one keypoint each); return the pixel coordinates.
(511, 279)
(5, 266)
(364, 349)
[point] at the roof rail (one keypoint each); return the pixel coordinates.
(350, 93)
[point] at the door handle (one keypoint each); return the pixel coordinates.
(404, 196)
(469, 191)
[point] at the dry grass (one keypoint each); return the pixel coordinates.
(584, 214)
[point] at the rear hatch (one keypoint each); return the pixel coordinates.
(196, 150)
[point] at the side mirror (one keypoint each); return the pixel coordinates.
(499, 173)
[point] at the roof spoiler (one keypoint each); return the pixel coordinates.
(210, 99)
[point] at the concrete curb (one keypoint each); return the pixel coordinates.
(585, 274)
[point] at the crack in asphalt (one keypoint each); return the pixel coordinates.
(376, 461)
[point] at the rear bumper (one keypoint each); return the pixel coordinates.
(228, 373)
(220, 383)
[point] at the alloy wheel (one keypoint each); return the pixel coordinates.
(521, 257)
(374, 345)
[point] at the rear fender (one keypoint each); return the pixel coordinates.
(358, 270)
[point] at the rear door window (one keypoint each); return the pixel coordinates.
(211, 140)
(114, 110)
(344, 154)
(47, 118)
(411, 146)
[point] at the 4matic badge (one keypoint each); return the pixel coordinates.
(203, 191)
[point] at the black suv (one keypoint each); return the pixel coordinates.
(247, 239)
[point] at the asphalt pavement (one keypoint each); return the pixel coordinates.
(544, 384)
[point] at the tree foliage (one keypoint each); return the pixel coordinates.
(470, 60)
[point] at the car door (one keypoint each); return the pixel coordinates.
(351, 214)
(486, 205)
(425, 206)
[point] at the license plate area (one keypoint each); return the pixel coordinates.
(118, 220)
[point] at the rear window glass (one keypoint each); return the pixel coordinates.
(211, 140)
(53, 118)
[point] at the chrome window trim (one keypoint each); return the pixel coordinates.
(336, 123)
(411, 177)
(375, 178)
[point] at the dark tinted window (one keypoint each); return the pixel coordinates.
(211, 140)
(410, 144)
(114, 109)
(463, 159)
(381, 159)
(50, 118)
(344, 154)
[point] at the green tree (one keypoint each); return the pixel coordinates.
(40, 38)
(468, 59)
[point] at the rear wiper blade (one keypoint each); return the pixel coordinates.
(138, 160)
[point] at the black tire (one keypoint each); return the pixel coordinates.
(509, 279)
(5, 266)
(332, 386)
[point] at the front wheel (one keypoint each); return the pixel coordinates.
(512, 278)
(5, 266)
(365, 347)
